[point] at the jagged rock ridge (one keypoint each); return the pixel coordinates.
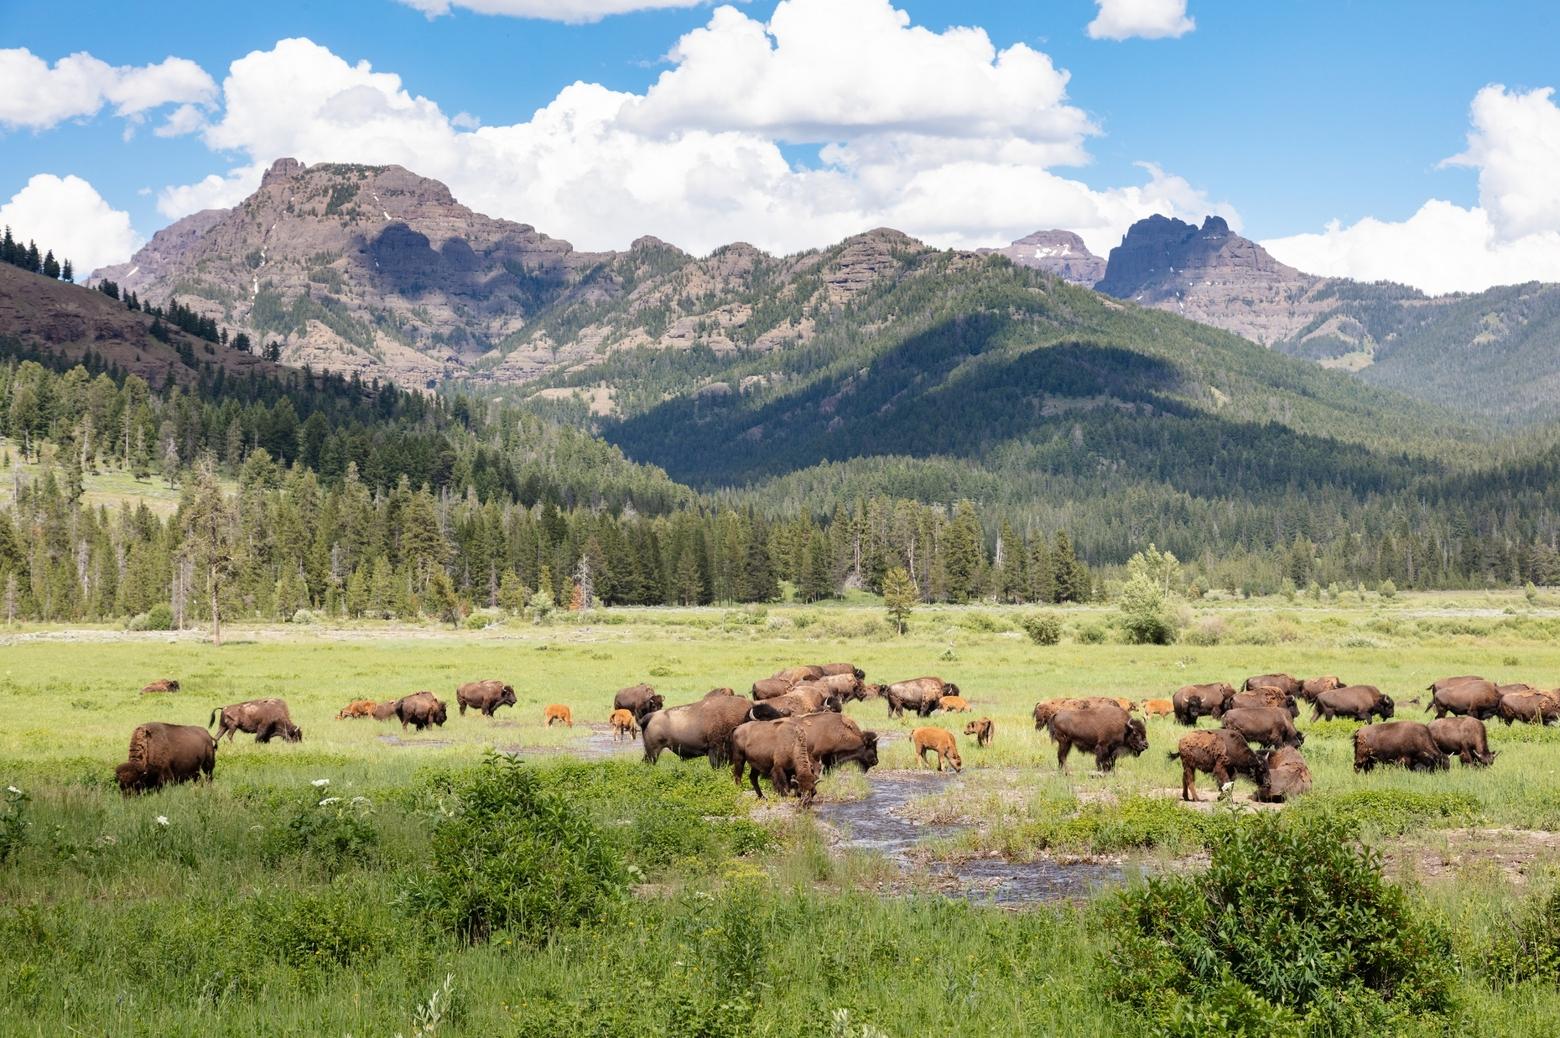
(1059, 253)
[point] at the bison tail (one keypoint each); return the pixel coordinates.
(213, 719)
(1174, 755)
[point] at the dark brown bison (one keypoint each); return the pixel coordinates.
(1407, 743)
(1529, 707)
(1474, 697)
(1361, 702)
(1267, 725)
(834, 739)
(831, 669)
(1284, 775)
(357, 708)
(1463, 738)
(486, 696)
(1193, 701)
(919, 694)
(848, 687)
(1460, 679)
(803, 699)
(777, 749)
(1222, 754)
(164, 754)
(420, 710)
(769, 688)
(1262, 696)
(983, 729)
(698, 729)
(1310, 688)
(265, 719)
(160, 685)
(1105, 730)
(1282, 682)
(1048, 708)
(804, 672)
(641, 699)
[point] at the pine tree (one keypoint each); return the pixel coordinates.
(964, 554)
(51, 266)
(899, 596)
(211, 537)
(67, 272)
(817, 580)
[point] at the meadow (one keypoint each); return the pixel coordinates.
(325, 888)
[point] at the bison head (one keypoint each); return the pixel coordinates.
(438, 715)
(764, 712)
(861, 675)
(131, 778)
(1386, 707)
(507, 697)
(950, 689)
(1137, 736)
(869, 754)
(834, 703)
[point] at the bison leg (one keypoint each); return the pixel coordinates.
(1188, 781)
(463, 708)
(753, 775)
(1063, 748)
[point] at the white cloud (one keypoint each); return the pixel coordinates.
(574, 11)
(1512, 235)
(35, 96)
(67, 214)
(939, 134)
(1149, 19)
(182, 120)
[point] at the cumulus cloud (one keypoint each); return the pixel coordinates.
(1512, 235)
(575, 11)
(942, 135)
(36, 96)
(1148, 19)
(67, 214)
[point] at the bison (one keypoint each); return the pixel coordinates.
(983, 730)
(386, 710)
(486, 696)
(777, 749)
(163, 754)
(420, 710)
(557, 713)
(805, 672)
(831, 669)
(919, 694)
(1284, 775)
(834, 739)
(1193, 701)
(1259, 697)
(1463, 738)
(265, 719)
(698, 729)
(1529, 707)
(160, 685)
(1361, 702)
(623, 724)
(1474, 697)
(1407, 743)
(939, 741)
(1310, 688)
(357, 708)
(1222, 754)
(953, 705)
(1157, 707)
(1282, 682)
(1048, 708)
(803, 699)
(641, 699)
(1105, 729)
(1267, 725)
(769, 688)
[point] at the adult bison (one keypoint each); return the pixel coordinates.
(486, 696)
(777, 749)
(1463, 738)
(1193, 701)
(803, 699)
(160, 685)
(1267, 725)
(1285, 774)
(1282, 682)
(834, 739)
(1049, 708)
(1310, 688)
(1361, 702)
(163, 754)
(1106, 730)
(421, 710)
(769, 688)
(698, 729)
(919, 694)
(1531, 707)
(265, 719)
(1473, 697)
(642, 700)
(1222, 754)
(1261, 696)
(804, 672)
(1407, 743)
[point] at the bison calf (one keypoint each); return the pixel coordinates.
(160, 685)
(983, 730)
(623, 725)
(357, 708)
(1222, 754)
(557, 713)
(939, 741)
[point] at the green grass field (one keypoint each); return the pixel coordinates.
(256, 910)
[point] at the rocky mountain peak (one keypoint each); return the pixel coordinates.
(1058, 253)
(281, 171)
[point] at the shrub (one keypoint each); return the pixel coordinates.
(1043, 628)
(1209, 630)
(1091, 634)
(1145, 619)
(157, 618)
(328, 830)
(305, 618)
(1528, 947)
(13, 823)
(1387, 589)
(1291, 930)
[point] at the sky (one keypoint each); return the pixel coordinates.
(1416, 142)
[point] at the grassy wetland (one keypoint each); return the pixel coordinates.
(370, 881)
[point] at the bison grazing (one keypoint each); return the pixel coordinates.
(1267, 725)
(1463, 738)
(557, 713)
(1157, 707)
(265, 719)
(1284, 775)
(1360, 702)
(700, 729)
(1263, 696)
(919, 694)
(1310, 688)
(831, 669)
(1407, 743)
(1473, 697)
(983, 730)
(641, 699)
(834, 739)
(777, 749)
(1193, 701)
(357, 708)
(623, 724)
(1282, 682)
(160, 685)
(806, 672)
(486, 696)
(1461, 679)
(1531, 707)
(1104, 729)
(939, 741)
(421, 709)
(1222, 754)
(162, 754)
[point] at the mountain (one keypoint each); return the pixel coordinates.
(1060, 253)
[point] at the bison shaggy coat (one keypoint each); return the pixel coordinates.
(1285, 774)
(1406, 743)
(983, 729)
(485, 696)
(1463, 738)
(919, 694)
(1267, 725)
(1258, 697)
(777, 749)
(1105, 729)
(265, 719)
(1222, 754)
(698, 729)
(420, 710)
(160, 685)
(1473, 697)
(1193, 701)
(164, 754)
(1361, 702)
(1282, 682)
(834, 739)
(1529, 707)
(641, 699)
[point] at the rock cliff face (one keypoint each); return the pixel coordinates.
(1060, 253)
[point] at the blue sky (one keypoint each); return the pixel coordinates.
(1284, 114)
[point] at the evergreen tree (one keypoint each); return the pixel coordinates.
(964, 554)
(211, 537)
(899, 596)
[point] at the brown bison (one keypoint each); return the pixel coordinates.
(386, 710)
(1048, 708)
(357, 708)
(1460, 679)
(698, 729)
(1361, 702)
(1282, 682)
(939, 741)
(1463, 738)
(1262, 696)
(1105, 729)
(1532, 707)
(803, 699)
(160, 685)
(777, 749)
(1157, 707)
(1193, 701)
(1222, 754)
(983, 730)
(164, 754)
(769, 688)
(1284, 775)
(1474, 697)
(420, 710)
(1407, 743)
(641, 699)
(1267, 725)
(805, 672)
(834, 739)
(919, 694)
(623, 724)
(557, 713)
(265, 719)
(486, 696)
(1310, 688)
(831, 669)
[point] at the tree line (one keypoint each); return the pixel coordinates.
(28, 258)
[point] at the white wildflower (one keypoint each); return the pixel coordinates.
(13, 789)
(329, 800)
(320, 783)
(162, 819)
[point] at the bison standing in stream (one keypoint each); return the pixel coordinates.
(834, 739)
(642, 700)
(265, 719)
(777, 749)
(164, 754)
(486, 696)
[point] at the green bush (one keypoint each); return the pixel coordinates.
(1390, 812)
(328, 831)
(158, 618)
(1291, 930)
(1528, 947)
(1145, 617)
(1092, 634)
(1043, 628)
